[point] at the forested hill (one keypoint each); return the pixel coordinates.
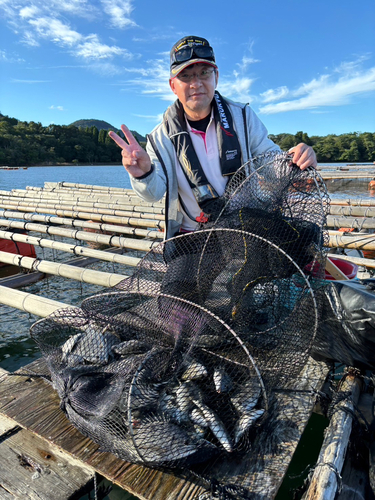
(87, 142)
(102, 125)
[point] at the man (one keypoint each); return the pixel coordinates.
(203, 139)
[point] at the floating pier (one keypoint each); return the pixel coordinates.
(42, 455)
(30, 403)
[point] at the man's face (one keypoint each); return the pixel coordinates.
(195, 88)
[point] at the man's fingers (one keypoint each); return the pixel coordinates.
(120, 142)
(128, 135)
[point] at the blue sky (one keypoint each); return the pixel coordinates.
(302, 65)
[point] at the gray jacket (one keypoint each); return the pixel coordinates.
(253, 139)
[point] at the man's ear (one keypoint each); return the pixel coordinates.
(172, 85)
(216, 77)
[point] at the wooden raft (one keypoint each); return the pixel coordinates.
(33, 405)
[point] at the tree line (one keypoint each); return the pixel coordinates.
(29, 143)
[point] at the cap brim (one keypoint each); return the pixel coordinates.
(175, 70)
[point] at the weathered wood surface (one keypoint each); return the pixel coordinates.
(34, 405)
(325, 480)
(32, 469)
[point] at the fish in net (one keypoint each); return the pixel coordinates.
(179, 364)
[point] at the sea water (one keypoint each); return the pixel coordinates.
(16, 347)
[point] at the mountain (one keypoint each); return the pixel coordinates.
(100, 124)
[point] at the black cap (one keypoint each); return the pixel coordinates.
(190, 41)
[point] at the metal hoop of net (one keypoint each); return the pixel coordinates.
(178, 365)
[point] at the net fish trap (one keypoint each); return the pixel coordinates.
(178, 364)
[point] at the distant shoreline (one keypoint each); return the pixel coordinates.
(106, 164)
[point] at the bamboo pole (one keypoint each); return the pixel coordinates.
(77, 250)
(48, 219)
(360, 202)
(347, 175)
(27, 302)
(134, 204)
(103, 239)
(352, 211)
(64, 270)
(40, 192)
(131, 221)
(333, 232)
(324, 482)
(354, 222)
(68, 206)
(93, 187)
(131, 205)
(363, 242)
(344, 168)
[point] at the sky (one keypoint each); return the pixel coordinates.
(301, 64)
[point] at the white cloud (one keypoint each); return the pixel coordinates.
(91, 48)
(59, 108)
(246, 62)
(29, 38)
(274, 94)
(333, 89)
(55, 31)
(151, 118)
(49, 22)
(237, 89)
(14, 80)
(5, 57)
(27, 12)
(154, 81)
(119, 14)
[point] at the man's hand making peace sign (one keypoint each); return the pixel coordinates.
(134, 158)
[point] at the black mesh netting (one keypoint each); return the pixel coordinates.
(178, 364)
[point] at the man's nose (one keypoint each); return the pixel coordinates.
(195, 80)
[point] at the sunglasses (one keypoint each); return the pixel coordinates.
(186, 53)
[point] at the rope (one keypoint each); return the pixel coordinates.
(334, 469)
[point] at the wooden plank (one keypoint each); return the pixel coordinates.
(324, 482)
(30, 468)
(34, 405)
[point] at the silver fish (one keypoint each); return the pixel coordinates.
(186, 393)
(223, 382)
(168, 406)
(246, 396)
(194, 371)
(67, 348)
(216, 425)
(159, 441)
(183, 398)
(245, 422)
(92, 346)
(197, 417)
(130, 347)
